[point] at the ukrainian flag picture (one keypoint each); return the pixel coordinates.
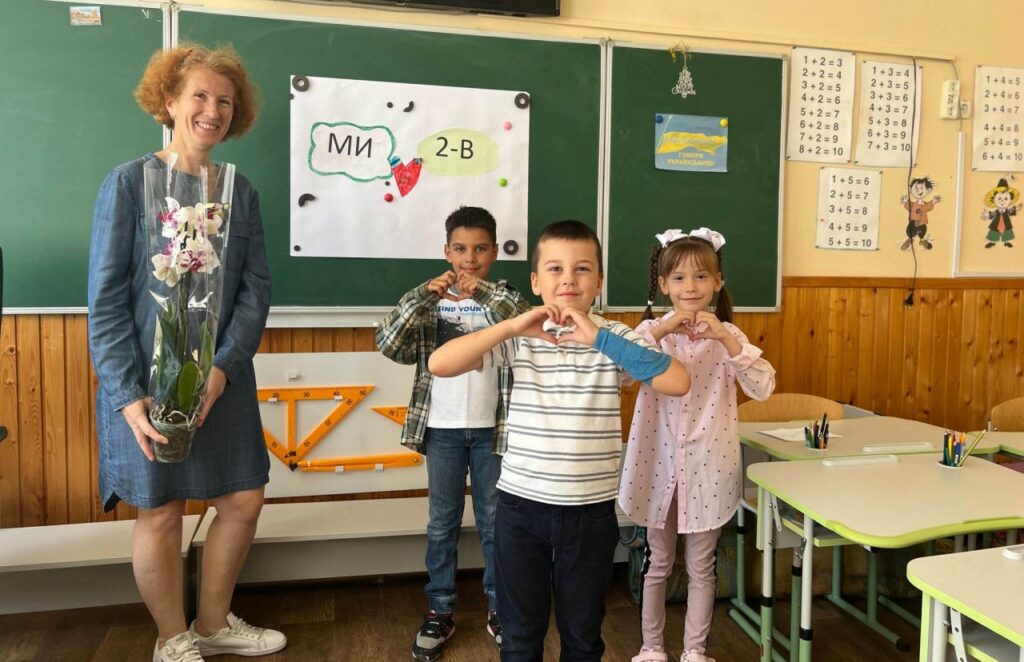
(691, 142)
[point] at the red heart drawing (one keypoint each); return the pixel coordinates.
(407, 174)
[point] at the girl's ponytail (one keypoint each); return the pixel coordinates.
(723, 306)
(652, 288)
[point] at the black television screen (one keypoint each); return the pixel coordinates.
(511, 7)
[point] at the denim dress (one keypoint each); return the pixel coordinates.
(228, 453)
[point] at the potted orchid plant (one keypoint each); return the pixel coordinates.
(187, 225)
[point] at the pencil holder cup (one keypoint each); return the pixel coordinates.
(949, 466)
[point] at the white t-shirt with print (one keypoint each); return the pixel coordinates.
(471, 399)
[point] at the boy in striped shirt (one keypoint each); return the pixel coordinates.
(559, 477)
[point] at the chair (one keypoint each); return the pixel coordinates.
(791, 407)
(1008, 416)
(779, 407)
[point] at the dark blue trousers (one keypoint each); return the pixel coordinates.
(542, 550)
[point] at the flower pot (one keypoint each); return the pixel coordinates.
(179, 439)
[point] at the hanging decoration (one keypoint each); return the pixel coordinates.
(684, 84)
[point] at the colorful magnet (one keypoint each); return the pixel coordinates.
(394, 160)
(388, 197)
(502, 182)
(507, 126)
(724, 122)
(658, 119)
(306, 197)
(300, 83)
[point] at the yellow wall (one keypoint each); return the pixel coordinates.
(933, 30)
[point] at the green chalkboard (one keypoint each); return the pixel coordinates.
(742, 203)
(67, 117)
(562, 78)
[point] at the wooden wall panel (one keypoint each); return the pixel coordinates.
(947, 359)
(55, 441)
(30, 422)
(78, 411)
(10, 473)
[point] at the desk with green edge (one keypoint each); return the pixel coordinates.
(1011, 443)
(866, 435)
(985, 586)
(857, 436)
(879, 501)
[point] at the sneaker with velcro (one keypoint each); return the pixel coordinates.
(430, 640)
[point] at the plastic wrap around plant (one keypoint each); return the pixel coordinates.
(187, 220)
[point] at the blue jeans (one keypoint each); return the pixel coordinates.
(542, 549)
(451, 453)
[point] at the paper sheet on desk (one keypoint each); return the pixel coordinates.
(793, 434)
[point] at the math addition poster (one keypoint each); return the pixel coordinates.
(377, 167)
(691, 142)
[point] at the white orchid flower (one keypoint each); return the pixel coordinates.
(163, 269)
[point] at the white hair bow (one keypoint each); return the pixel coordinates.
(714, 238)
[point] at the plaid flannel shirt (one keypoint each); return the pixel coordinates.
(407, 336)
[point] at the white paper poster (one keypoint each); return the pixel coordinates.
(377, 167)
(821, 106)
(848, 204)
(999, 119)
(890, 114)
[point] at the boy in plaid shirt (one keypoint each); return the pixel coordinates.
(457, 422)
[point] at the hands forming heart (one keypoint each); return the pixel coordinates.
(690, 327)
(464, 284)
(556, 326)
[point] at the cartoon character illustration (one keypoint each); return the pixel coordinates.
(918, 206)
(1002, 203)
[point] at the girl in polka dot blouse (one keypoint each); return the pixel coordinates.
(681, 472)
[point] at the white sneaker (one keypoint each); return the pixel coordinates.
(179, 648)
(650, 655)
(239, 638)
(695, 656)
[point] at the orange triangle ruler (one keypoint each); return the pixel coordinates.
(396, 414)
(291, 451)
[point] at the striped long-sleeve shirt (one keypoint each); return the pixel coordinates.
(564, 425)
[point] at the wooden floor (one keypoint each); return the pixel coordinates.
(375, 620)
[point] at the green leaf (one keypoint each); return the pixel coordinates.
(188, 385)
(205, 351)
(167, 361)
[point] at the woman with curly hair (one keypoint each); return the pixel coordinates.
(205, 96)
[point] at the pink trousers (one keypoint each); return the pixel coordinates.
(699, 556)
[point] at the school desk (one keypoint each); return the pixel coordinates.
(1011, 443)
(867, 435)
(979, 594)
(884, 501)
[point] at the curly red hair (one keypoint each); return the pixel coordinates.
(166, 72)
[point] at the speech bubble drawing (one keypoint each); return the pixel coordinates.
(361, 153)
(458, 152)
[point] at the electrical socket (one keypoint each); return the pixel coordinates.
(949, 104)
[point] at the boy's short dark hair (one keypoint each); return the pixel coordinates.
(573, 231)
(471, 217)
